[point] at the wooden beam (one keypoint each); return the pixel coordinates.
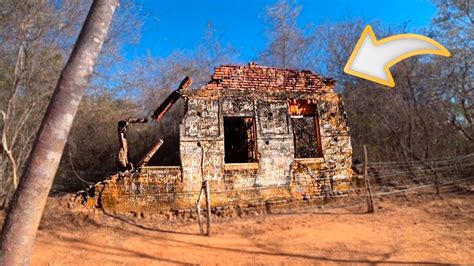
(171, 99)
(144, 161)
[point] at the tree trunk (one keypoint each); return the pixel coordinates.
(21, 224)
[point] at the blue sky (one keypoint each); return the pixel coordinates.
(180, 24)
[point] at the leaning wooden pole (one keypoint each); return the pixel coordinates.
(144, 161)
(370, 202)
(24, 215)
(198, 209)
(208, 207)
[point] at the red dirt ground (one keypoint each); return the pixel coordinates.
(416, 228)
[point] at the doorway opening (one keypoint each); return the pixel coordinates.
(240, 140)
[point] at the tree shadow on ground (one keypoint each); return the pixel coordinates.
(384, 257)
(80, 243)
(133, 223)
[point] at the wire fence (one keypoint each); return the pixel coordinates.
(386, 178)
(389, 176)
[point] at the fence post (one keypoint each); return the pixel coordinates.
(370, 202)
(208, 207)
(436, 177)
(198, 209)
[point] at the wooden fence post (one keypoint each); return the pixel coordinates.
(370, 202)
(436, 177)
(205, 187)
(208, 207)
(198, 207)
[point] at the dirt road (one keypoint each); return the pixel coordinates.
(413, 229)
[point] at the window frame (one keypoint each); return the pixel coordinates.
(256, 160)
(317, 129)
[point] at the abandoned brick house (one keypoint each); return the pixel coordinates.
(254, 133)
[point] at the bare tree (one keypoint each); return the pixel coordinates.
(412, 121)
(289, 46)
(454, 25)
(36, 38)
(33, 36)
(211, 53)
(24, 215)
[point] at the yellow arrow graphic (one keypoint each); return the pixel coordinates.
(372, 58)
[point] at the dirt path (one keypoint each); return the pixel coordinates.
(427, 229)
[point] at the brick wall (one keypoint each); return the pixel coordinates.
(247, 91)
(264, 93)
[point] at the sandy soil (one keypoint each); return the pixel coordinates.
(418, 228)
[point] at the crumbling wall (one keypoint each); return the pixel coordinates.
(332, 173)
(275, 143)
(262, 93)
(201, 143)
(151, 190)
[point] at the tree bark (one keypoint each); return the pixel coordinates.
(21, 224)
